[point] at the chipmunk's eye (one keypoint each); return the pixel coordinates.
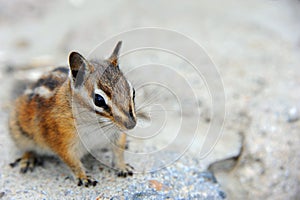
(99, 101)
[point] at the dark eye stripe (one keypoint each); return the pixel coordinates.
(133, 95)
(105, 89)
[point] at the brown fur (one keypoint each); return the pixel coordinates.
(43, 121)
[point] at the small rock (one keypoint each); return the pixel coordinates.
(293, 115)
(144, 195)
(2, 194)
(156, 185)
(209, 176)
(222, 194)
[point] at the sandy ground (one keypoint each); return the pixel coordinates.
(254, 44)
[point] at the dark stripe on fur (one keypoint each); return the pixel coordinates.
(22, 131)
(62, 70)
(48, 82)
(105, 89)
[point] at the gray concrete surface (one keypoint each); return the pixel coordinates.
(255, 44)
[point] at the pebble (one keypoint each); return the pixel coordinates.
(293, 115)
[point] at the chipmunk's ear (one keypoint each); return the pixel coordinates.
(78, 66)
(114, 56)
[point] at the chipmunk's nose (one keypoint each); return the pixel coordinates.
(130, 124)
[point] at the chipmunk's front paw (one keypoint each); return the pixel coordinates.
(87, 181)
(125, 170)
(27, 162)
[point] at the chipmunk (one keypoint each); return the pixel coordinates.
(43, 120)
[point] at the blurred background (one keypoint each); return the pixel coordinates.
(255, 45)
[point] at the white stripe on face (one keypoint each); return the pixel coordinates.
(130, 88)
(105, 97)
(131, 98)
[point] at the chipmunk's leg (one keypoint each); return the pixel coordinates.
(122, 168)
(27, 162)
(76, 166)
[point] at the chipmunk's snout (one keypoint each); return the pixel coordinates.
(123, 109)
(130, 124)
(125, 122)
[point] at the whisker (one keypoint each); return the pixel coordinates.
(107, 125)
(102, 124)
(92, 130)
(147, 101)
(163, 110)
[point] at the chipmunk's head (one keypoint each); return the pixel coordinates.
(101, 87)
